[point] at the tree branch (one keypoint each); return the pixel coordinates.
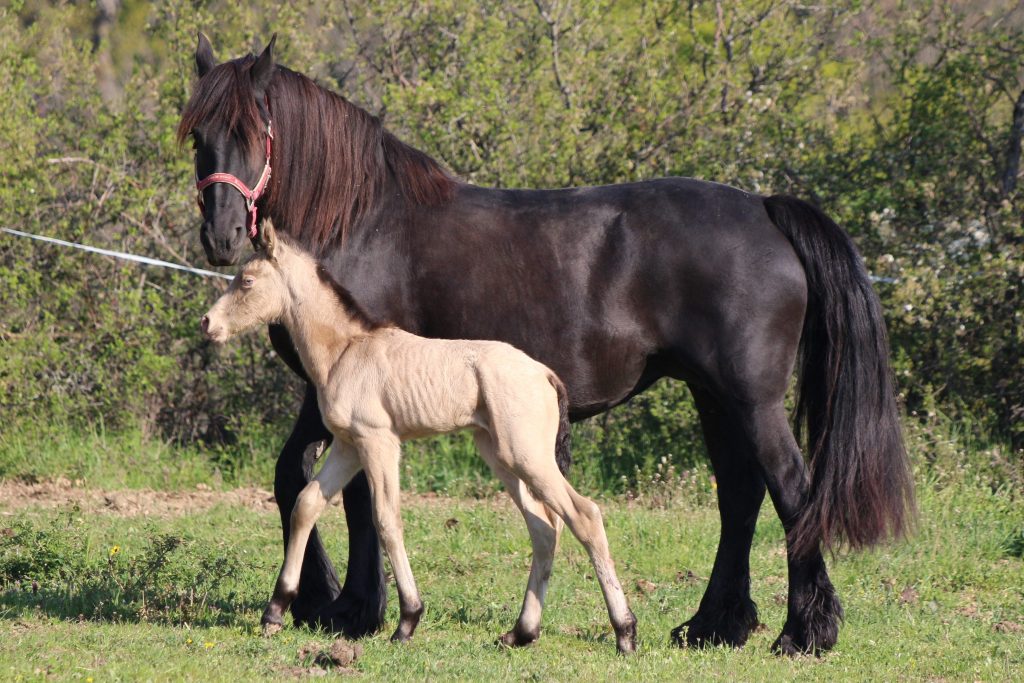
(1012, 167)
(553, 34)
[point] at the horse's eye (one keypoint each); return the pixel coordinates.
(248, 281)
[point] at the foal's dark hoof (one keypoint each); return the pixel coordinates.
(515, 638)
(625, 639)
(271, 622)
(407, 624)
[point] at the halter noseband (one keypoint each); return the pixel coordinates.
(250, 196)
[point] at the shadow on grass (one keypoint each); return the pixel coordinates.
(50, 568)
(99, 606)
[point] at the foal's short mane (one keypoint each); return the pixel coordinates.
(331, 160)
(348, 302)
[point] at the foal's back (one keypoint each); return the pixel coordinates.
(413, 386)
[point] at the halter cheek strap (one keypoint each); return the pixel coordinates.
(250, 196)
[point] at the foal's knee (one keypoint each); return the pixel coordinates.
(589, 522)
(308, 505)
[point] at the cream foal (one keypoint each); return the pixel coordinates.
(378, 386)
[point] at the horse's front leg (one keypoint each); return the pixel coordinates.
(341, 465)
(380, 456)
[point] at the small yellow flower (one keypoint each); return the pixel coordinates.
(207, 645)
(114, 550)
(88, 679)
(188, 641)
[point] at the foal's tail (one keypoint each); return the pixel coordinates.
(563, 442)
(861, 486)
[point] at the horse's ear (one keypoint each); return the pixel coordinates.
(204, 55)
(263, 69)
(267, 239)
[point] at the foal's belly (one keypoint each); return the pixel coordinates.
(407, 385)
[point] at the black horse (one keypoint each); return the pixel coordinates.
(612, 287)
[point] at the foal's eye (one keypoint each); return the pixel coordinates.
(248, 281)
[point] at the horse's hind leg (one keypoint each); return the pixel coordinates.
(814, 612)
(340, 466)
(544, 527)
(727, 615)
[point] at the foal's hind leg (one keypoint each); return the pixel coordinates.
(532, 460)
(544, 527)
(727, 615)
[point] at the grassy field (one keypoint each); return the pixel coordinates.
(127, 585)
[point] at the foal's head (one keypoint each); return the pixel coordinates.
(258, 295)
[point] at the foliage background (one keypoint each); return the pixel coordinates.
(903, 120)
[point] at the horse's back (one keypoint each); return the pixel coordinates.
(610, 286)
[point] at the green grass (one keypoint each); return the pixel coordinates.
(181, 597)
(132, 459)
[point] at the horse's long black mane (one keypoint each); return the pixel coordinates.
(317, 135)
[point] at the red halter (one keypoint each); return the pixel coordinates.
(250, 196)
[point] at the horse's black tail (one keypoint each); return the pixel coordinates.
(563, 442)
(861, 485)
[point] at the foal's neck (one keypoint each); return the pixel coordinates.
(317, 319)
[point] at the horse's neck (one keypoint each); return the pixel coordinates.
(319, 325)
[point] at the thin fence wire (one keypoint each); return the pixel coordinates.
(119, 254)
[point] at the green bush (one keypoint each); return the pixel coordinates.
(897, 121)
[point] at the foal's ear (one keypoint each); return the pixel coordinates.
(267, 240)
(204, 55)
(263, 69)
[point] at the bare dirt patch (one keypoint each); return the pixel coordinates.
(19, 495)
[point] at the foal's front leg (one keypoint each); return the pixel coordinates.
(380, 456)
(341, 465)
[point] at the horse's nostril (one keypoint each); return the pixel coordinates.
(205, 323)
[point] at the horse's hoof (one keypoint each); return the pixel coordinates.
(792, 645)
(814, 630)
(728, 627)
(352, 616)
(514, 638)
(270, 628)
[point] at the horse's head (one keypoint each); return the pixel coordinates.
(257, 296)
(228, 119)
